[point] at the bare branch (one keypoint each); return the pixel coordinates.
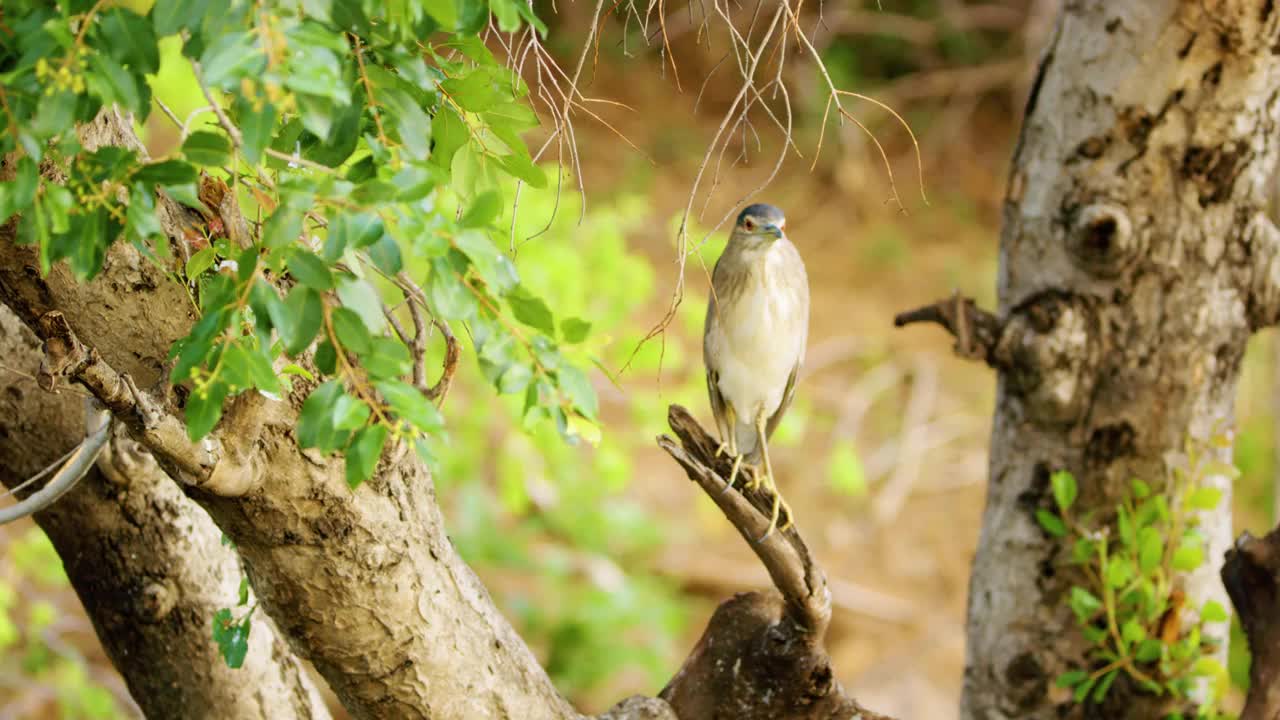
(977, 332)
(74, 466)
(783, 554)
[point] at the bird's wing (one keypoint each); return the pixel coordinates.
(718, 404)
(801, 280)
(787, 395)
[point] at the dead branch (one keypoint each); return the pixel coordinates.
(1251, 575)
(977, 332)
(762, 654)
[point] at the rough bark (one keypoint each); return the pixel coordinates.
(1135, 262)
(147, 563)
(365, 583)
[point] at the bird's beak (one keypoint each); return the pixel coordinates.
(773, 230)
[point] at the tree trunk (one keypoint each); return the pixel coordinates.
(149, 566)
(1136, 261)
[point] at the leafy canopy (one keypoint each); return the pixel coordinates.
(343, 131)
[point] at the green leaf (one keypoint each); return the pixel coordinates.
(521, 166)
(476, 91)
(166, 172)
(362, 297)
(170, 16)
(578, 389)
(130, 39)
(350, 413)
(495, 268)
(411, 405)
(1149, 650)
(1051, 523)
(200, 262)
(1071, 678)
(450, 133)
(305, 311)
(1064, 488)
(1140, 489)
(1188, 556)
(448, 295)
(256, 126)
(1082, 690)
(1084, 603)
(1132, 631)
(351, 331)
(1119, 571)
(244, 591)
(1150, 549)
(326, 357)
(443, 12)
(363, 454)
(283, 227)
(1104, 684)
(315, 421)
(388, 359)
(232, 638)
(1213, 612)
(385, 254)
(310, 270)
(515, 379)
(204, 408)
(204, 147)
(111, 83)
(483, 210)
(1204, 498)
(574, 330)
(411, 123)
(532, 311)
(230, 57)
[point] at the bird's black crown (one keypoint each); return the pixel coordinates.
(762, 212)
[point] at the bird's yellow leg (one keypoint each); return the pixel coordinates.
(728, 438)
(778, 502)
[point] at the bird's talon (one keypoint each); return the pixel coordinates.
(733, 474)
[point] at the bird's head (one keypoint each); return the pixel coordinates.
(760, 224)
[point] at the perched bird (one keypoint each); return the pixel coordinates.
(754, 340)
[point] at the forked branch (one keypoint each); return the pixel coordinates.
(977, 332)
(762, 655)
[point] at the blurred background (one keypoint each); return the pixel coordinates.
(607, 559)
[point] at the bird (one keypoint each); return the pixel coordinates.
(753, 342)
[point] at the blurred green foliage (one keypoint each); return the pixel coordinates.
(34, 654)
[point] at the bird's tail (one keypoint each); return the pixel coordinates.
(748, 445)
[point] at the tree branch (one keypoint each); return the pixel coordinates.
(147, 563)
(977, 332)
(761, 656)
(1251, 575)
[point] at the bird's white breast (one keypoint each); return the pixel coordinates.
(759, 338)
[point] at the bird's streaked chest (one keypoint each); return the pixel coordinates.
(765, 304)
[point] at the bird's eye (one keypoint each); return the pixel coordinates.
(749, 224)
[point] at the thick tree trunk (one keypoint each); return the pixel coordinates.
(148, 564)
(1135, 263)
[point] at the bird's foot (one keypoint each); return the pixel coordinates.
(724, 449)
(733, 473)
(778, 506)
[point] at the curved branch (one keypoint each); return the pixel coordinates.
(76, 465)
(1251, 575)
(761, 656)
(784, 555)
